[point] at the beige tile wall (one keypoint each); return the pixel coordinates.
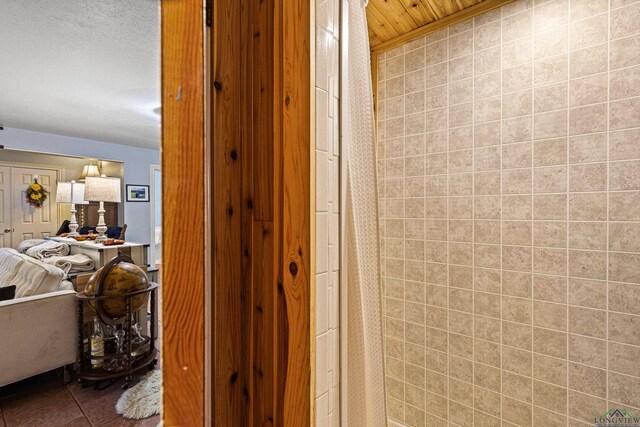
(509, 166)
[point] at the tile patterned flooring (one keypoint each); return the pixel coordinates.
(44, 400)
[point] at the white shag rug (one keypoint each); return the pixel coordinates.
(143, 400)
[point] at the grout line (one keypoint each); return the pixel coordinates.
(568, 164)
(512, 397)
(473, 227)
(79, 405)
(404, 271)
(543, 328)
(553, 248)
(535, 61)
(608, 186)
(594, 309)
(502, 208)
(527, 194)
(532, 377)
(567, 209)
(532, 239)
(447, 214)
(581, 135)
(534, 221)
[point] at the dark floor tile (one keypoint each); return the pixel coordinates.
(123, 422)
(44, 381)
(100, 405)
(80, 422)
(53, 407)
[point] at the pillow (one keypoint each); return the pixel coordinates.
(86, 230)
(36, 278)
(10, 262)
(114, 232)
(7, 293)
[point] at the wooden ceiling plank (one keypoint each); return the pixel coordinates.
(382, 25)
(411, 8)
(467, 3)
(391, 11)
(435, 8)
(450, 6)
(464, 14)
(374, 39)
(378, 24)
(382, 30)
(420, 12)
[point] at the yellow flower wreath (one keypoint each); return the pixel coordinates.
(36, 194)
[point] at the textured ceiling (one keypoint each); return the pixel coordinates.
(391, 18)
(83, 68)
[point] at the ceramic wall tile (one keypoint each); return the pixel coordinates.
(511, 209)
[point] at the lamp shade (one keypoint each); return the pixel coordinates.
(70, 192)
(102, 189)
(90, 170)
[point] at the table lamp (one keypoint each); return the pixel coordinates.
(89, 170)
(102, 189)
(71, 192)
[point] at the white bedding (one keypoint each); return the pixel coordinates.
(48, 249)
(71, 263)
(25, 245)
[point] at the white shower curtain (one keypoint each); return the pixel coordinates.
(365, 360)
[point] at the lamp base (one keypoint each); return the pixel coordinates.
(73, 226)
(102, 227)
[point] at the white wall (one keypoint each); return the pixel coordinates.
(327, 213)
(136, 166)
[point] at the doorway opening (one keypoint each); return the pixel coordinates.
(80, 186)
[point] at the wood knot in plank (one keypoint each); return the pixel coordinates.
(293, 268)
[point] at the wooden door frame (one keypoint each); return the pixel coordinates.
(215, 371)
(184, 222)
(152, 214)
(7, 199)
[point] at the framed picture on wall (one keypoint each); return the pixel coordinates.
(137, 193)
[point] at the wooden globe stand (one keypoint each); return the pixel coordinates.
(135, 357)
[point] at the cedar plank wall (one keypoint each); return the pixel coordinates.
(261, 210)
(263, 203)
(184, 254)
(296, 213)
(231, 366)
